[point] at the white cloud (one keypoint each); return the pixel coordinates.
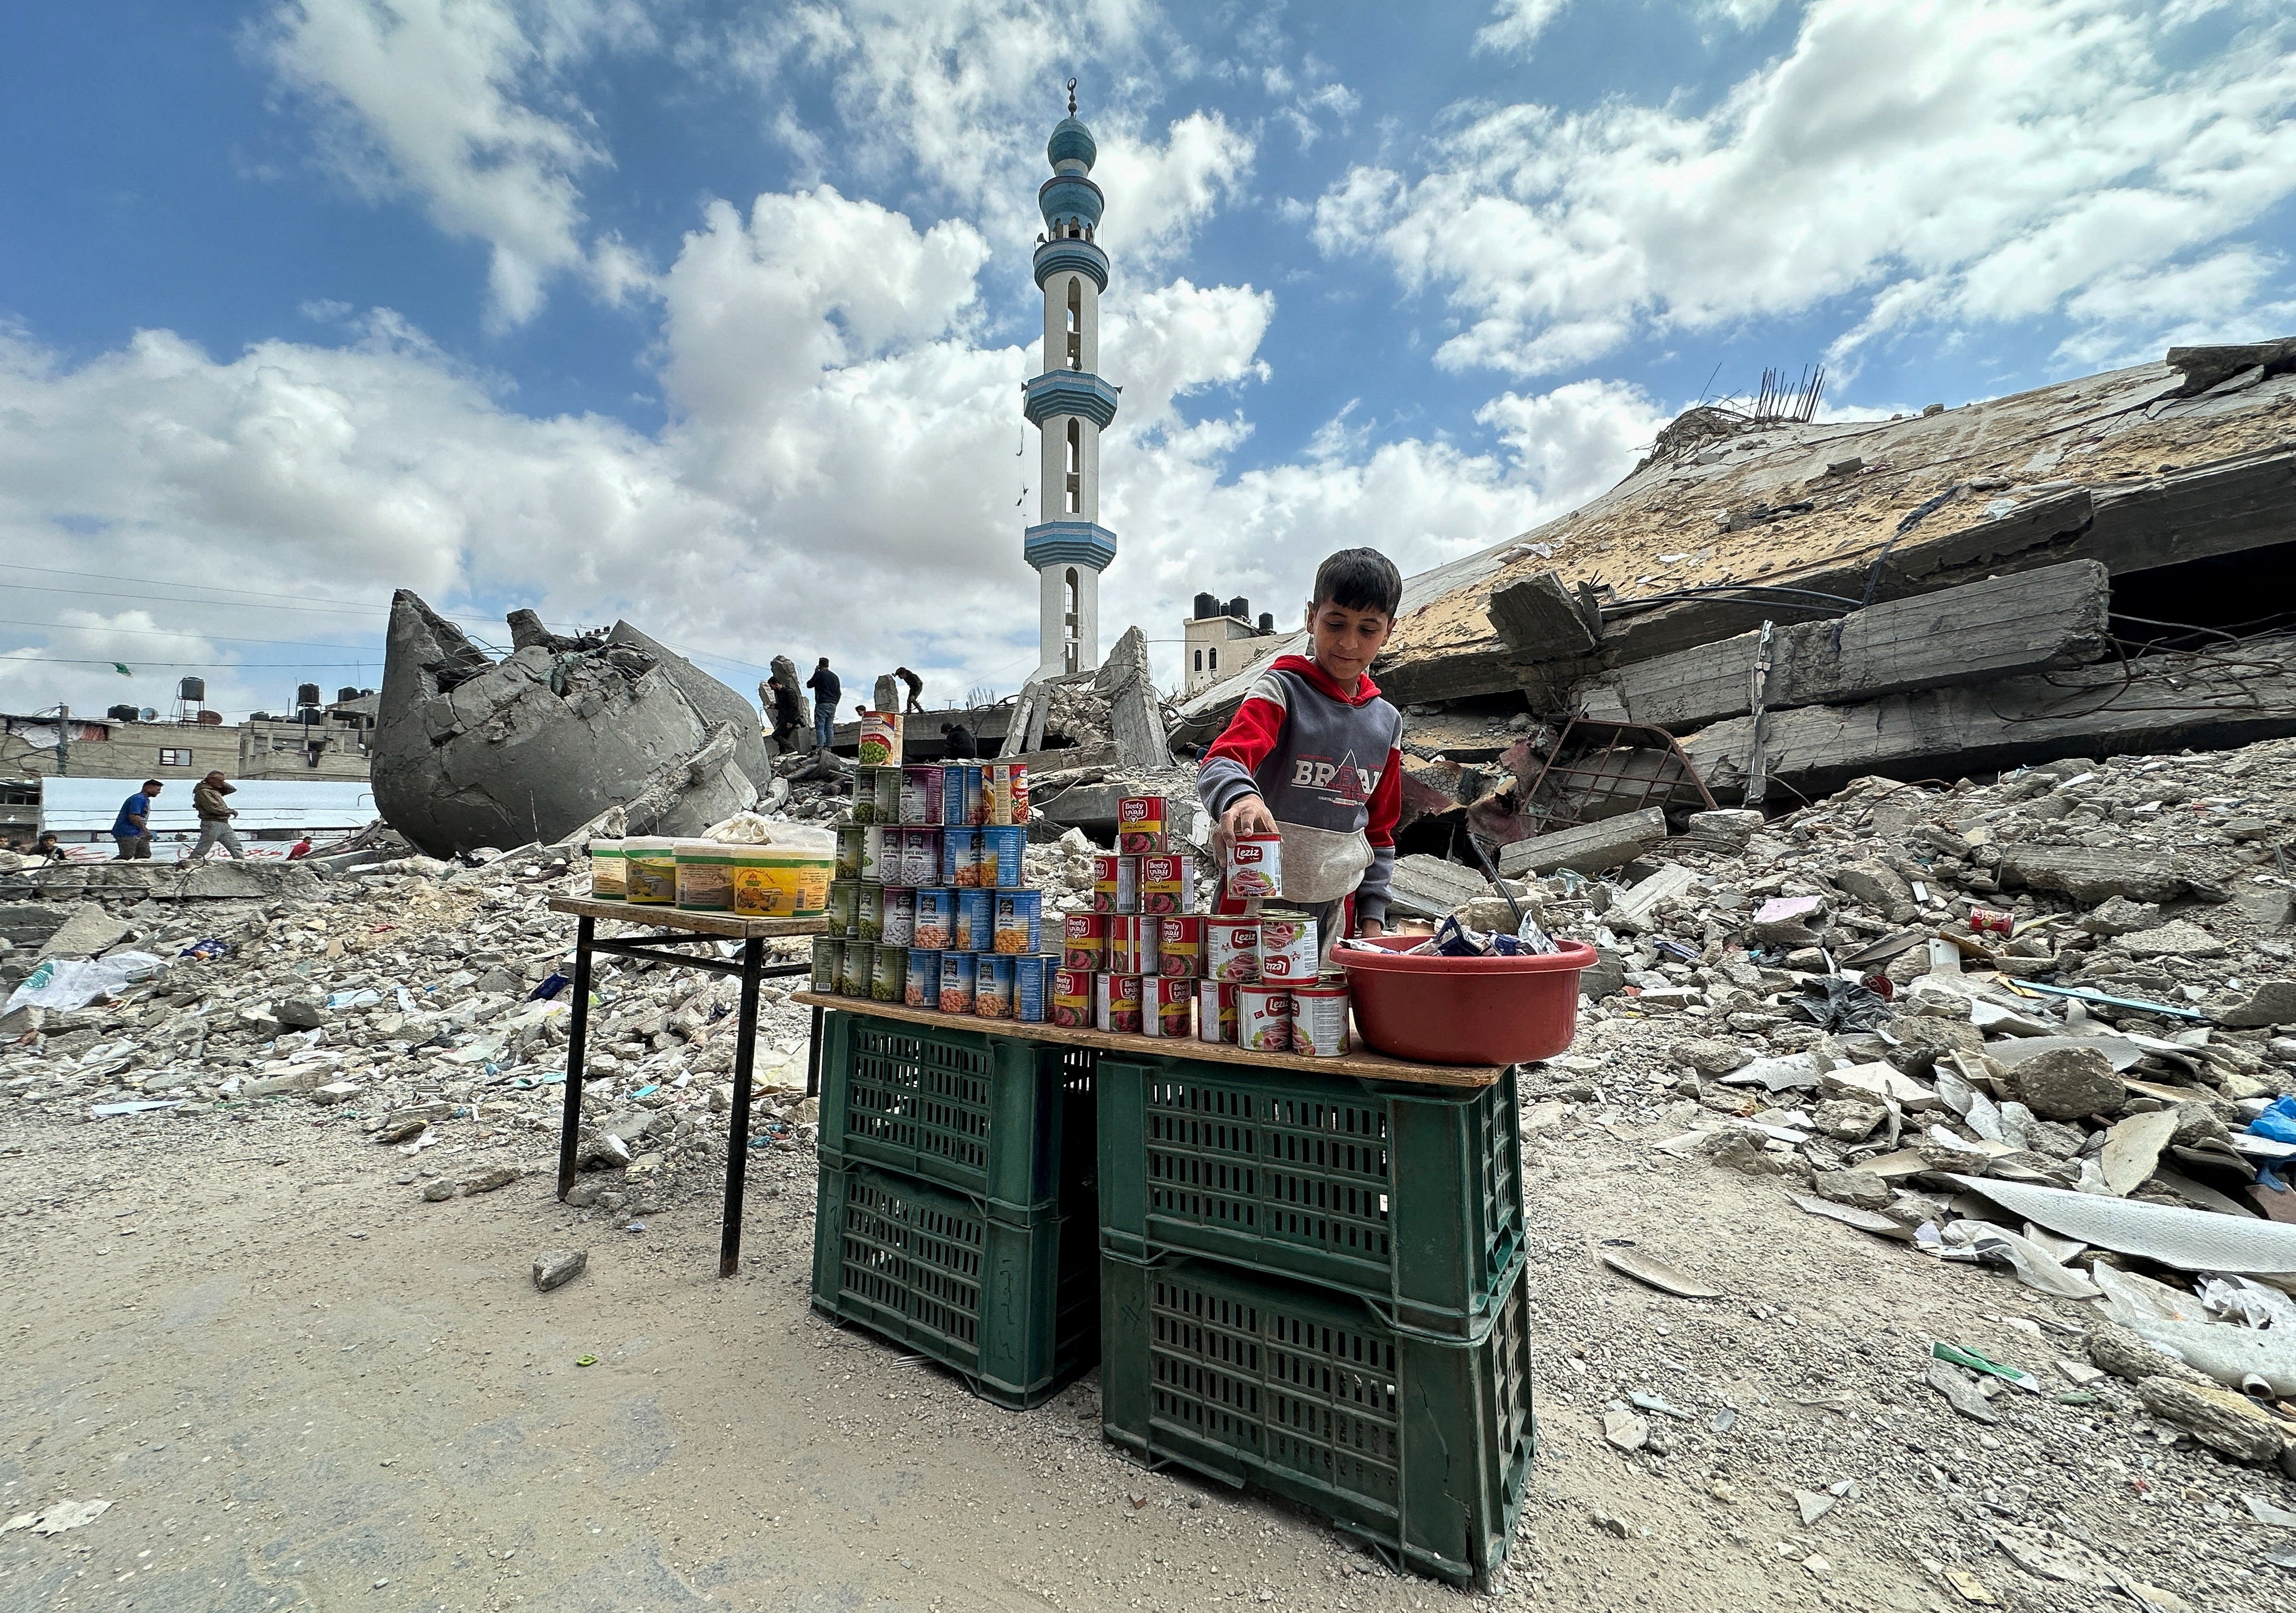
(1519, 23)
(1944, 164)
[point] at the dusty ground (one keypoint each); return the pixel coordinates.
(299, 1386)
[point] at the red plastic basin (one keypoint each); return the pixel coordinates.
(1465, 1010)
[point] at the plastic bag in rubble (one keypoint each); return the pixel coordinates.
(1838, 1003)
(68, 983)
(1453, 939)
(2238, 1357)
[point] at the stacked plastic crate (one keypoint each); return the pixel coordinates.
(1314, 1283)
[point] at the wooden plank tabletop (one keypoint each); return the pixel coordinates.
(1362, 1062)
(693, 923)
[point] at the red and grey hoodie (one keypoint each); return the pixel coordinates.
(1327, 762)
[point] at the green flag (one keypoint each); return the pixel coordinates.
(121, 669)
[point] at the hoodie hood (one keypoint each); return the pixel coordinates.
(1363, 694)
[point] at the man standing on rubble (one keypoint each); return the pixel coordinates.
(916, 686)
(826, 693)
(789, 715)
(215, 817)
(132, 829)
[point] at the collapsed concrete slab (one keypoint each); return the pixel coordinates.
(224, 879)
(470, 751)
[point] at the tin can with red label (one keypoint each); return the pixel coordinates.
(1115, 883)
(1072, 1004)
(1992, 920)
(1263, 1018)
(1255, 866)
(1319, 1018)
(1231, 948)
(1084, 942)
(1004, 786)
(1116, 1002)
(1215, 1011)
(1169, 1007)
(1143, 826)
(1180, 948)
(1287, 947)
(1132, 944)
(1167, 884)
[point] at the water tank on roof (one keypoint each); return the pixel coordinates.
(1238, 606)
(1206, 605)
(344, 696)
(1267, 621)
(191, 689)
(121, 713)
(307, 694)
(209, 719)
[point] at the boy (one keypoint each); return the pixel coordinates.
(1312, 754)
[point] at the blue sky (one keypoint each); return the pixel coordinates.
(714, 314)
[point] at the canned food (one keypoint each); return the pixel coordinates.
(955, 804)
(1115, 883)
(1132, 939)
(935, 919)
(1167, 884)
(844, 899)
(1084, 941)
(1167, 1007)
(650, 871)
(869, 911)
(921, 794)
(1180, 948)
(1116, 1002)
(1255, 866)
(1215, 1011)
(1020, 922)
(828, 957)
(1983, 919)
(900, 925)
(958, 972)
(960, 858)
(1319, 1018)
(881, 739)
(921, 856)
(1031, 976)
(874, 858)
(922, 986)
(864, 795)
(1000, 851)
(1231, 948)
(1263, 1018)
(1287, 947)
(888, 975)
(992, 996)
(887, 792)
(849, 835)
(1006, 787)
(976, 922)
(705, 876)
(1072, 994)
(856, 969)
(1142, 825)
(606, 870)
(976, 796)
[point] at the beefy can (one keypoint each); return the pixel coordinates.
(1215, 1011)
(1287, 947)
(1005, 791)
(1167, 884)
(1232, 949)
(1167, 1007)
(1993, 919)
(1132, 944)
(1319, 1018)
(1116, 1002)
(1072, 1004)
(935, 919)
(1115, 883)
(1255, 866)
(921, 989)
(1141, 826)
(1084, 942)
(1180, 948)
(958, 972)
(1263, 1018)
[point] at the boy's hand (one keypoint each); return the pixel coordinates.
(1246, 815)
(1371, 927)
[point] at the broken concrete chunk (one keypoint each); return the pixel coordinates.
(1588, 847)
(336, 1092)
(2120, 917)
(1881, 1083)
(2219, 1418)
(2174, 940)
(301, 1013)
(1860, 1189)
(1735, 825)
(490, 1179)
(1848, 1120)
(1711, 1057)
(556, 1267)
(2132, 1149)
(2273, 1002)
(2069, 1084)
(1961, 1392)
(87, 931)
(2097, 876)
(1878, 887)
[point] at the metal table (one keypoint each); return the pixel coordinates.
(673, 928)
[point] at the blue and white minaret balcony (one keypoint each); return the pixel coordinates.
(1068, 543)
(1068, 392)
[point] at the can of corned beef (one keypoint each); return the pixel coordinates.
(1132, 944)
(1231, 948)
(1167, 884)
(1287, 947)
(1983, 919)
(1319, 1017)
(1084, 941)
(1169, 1007)
(1115, 883)
(1180, 946)
(1255, 866)
(1143, 826)
(1072, 994)
(1004, 787)
(1215, 1011)
(1117, 1002)
(1263, 1018)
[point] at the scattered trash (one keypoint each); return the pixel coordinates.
(586, 1360)
(1658, 1275)
(58, 1516)
(2014, 1376)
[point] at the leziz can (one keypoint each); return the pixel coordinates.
(976, 920)
(1084, 941)
(1073, 993)
(1116, 1002)
(992, 996)
(1031, 977)
(921, 794)
(1232, 949)
(1004, 787)
(1180, 948)
(1263, 1018)
(1215, 1011)
(958, 972)
(960, 858)
(1132, 944)
(1020, 924)
(1255, 866)
(935, 919)
(1001, 852)
(1319, 1018)
(900, 926)
(869, 911)
(1142, 825)
(848, 866)
(842, 899)
(828, 955)
(888, 975)
(1167, 1007)
(921, 856)
(1167, 884)
(921, 988)
(1287, 947)
(856, 968)
(1115, 883)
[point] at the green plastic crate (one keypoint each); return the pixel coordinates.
(1011, 1303)
(1000, 1117)
(1422, 1447)
(1409, 1196)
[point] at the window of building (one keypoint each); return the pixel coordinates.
(1214, 658)
(174, 758)
(1068, 650)
(1074, 492)
(1075, 323)
(1200, 661)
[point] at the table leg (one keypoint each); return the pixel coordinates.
(737, 1119)
(570, 1124)
(813, 1057)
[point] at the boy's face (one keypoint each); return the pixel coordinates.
(1346, 640)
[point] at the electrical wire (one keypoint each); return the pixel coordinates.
(220, 638)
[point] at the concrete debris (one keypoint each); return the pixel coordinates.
(556, 1268)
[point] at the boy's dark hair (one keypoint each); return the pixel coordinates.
(1358, 579)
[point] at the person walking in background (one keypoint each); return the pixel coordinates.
(916, 687)
(132, 828)
(215, 817)
(826, 693)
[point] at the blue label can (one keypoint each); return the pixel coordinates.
(1031, 977)
(936, 925)
(960, 858)
(1020, 922)
(992, 997)
(976, 920)
(958, 972)
(1000, 857)
(923, 986)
